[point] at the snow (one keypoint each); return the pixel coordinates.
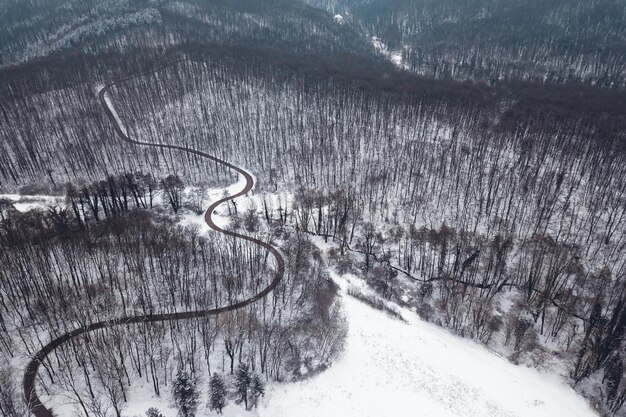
(394, 56)
(220, 216)
(378, 44)
(143, 398)
(116, 116)
(24, 207)
(389, 368)
(395, 369)
(26, 203)
(66, 36)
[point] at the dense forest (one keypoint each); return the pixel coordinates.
(551, 41)
(479, 182)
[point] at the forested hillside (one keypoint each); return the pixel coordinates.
(33, 29)
(505, 229)
(550, 41)
(480, 182)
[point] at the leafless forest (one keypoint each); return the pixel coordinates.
(482, 184)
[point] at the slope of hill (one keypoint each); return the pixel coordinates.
(406, 369)
(552, 41)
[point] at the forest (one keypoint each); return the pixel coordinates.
(115, 253)
(480, 183)
(435, 206)
(552, 41)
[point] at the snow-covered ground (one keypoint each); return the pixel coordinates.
(389, 368)
(28, 202)
(111, 107)
(395, 369)
(250, 200)
(394, 56)
(220, 217)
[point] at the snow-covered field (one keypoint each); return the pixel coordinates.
(398, 369)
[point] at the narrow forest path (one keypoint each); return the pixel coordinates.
(36, 407)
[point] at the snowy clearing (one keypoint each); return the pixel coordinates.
(395, 369)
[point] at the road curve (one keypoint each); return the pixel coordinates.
(35, 405)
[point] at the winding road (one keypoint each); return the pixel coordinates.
(36, 407)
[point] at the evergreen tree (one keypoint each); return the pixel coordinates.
(257, 389)
(153, 412)
(185, 395)
(613, 373)
(242, 382)
(217, 393)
